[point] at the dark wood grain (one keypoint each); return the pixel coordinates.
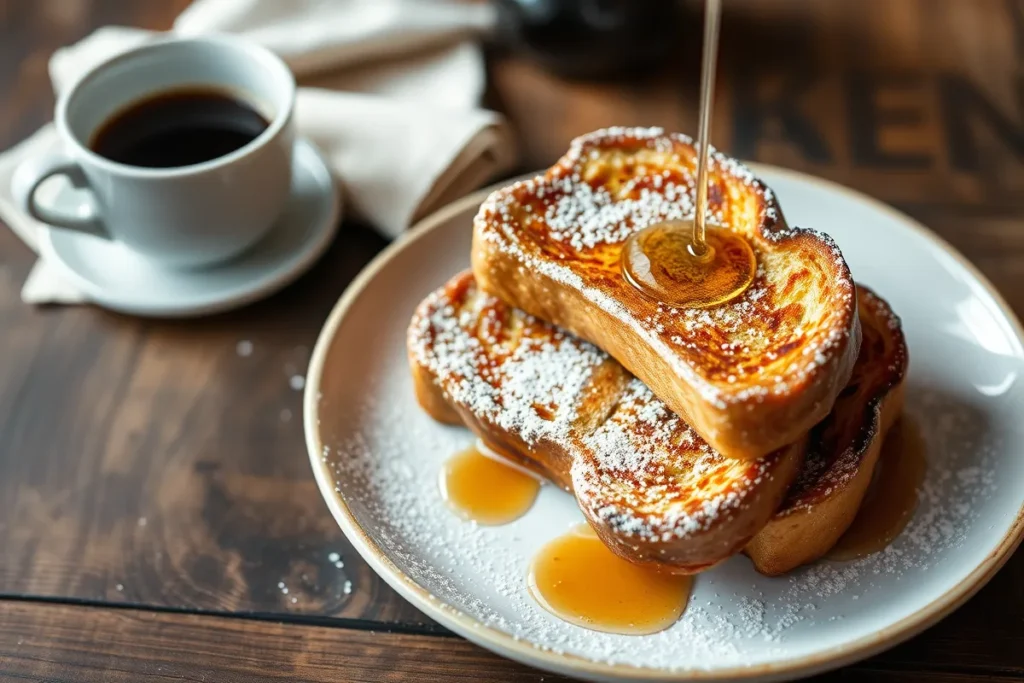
(147, 461)
(80, 644)
(148, 464)
(916, 100)
(65, 643)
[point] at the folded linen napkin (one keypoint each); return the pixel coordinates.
(389, 92)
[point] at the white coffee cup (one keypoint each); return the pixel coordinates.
(185, 216)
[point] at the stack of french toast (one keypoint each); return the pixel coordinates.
(687, 435)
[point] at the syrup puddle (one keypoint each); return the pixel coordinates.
(578, 579)
(479, 487)
(891, 497)
(657, 261)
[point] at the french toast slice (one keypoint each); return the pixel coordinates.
(651, 488)
(750, 375)
(842, 451)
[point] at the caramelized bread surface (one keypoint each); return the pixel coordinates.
(842, 450)
(651, 487)
(750, 375)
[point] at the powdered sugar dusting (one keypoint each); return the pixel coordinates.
(586, 217)
(960, 476)
(735, 617)
(530, 389)
(639, 492)
(383, 455)
(642, 470)
(598, 195)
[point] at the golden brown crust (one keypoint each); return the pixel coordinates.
(750, 375)
(828, 491)
(653, 490)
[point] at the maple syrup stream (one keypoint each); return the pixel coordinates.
(691, 263)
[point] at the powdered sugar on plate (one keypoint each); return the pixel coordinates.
(643, 472)
(557, 226)
(736, 617)
(383, 454)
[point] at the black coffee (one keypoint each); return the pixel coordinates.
(178, 128)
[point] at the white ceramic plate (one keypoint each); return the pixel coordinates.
(115, 277)
(376, 456)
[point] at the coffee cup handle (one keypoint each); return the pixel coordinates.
(31, 173)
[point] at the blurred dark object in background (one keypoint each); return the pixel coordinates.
(591, 38)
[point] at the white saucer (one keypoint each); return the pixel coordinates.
(115, 277)
(376, 456)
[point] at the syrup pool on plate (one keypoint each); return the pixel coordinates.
(479, 487)
(577, 578)
(891, 497)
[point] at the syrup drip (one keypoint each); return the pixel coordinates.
(658, 262)
(891, 497)
(691, 263)
(578, 579)
(480, 488)
(712, 16)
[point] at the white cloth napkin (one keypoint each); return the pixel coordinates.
(390, 93)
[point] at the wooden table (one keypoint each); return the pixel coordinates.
(154, 486)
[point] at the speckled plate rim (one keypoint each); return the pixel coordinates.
(572, 665)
